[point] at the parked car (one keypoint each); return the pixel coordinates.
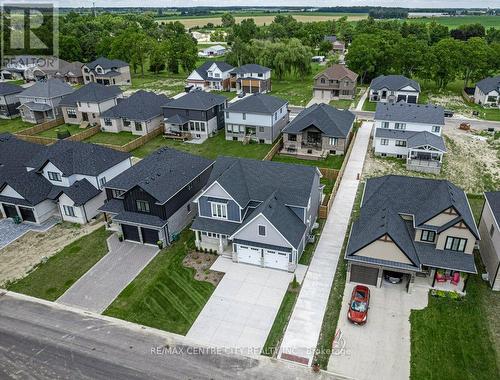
(393, 277)
(448, 113)
(359, 305)
(241, 95)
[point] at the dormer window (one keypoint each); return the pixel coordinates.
(429, 236)
(54, 176)
(219, 210)
(142, 206)
(455, 244)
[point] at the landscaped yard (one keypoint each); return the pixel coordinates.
(52, 133)
(165, 295)
(332, 161)
(369, 106)
(211, 148)
(119, 139)
(52, 278)
(13, 125)
(342, 103)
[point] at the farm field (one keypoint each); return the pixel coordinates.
(453, 22)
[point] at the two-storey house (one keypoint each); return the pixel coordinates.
(212, 75)
(258, 212)
(258, 117)
(87, 103)
(411, 132)
(250, 78)
(63, 180)
(152, 201)
(140, 113)
(336, 82)
(107, 71)
(318, 131)
(40, 102)
(9, 102)
(199, 113)
(487, 92)
(394, 88)
(421, 228)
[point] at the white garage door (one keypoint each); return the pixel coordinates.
(249, 255)
(319, 94)
(275, 259)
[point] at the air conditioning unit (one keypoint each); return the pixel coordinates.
(311, 238)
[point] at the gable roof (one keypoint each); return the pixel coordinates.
(9, 88)
(493, 198)
(162, 174)
(338, 72)
(257, 103)
(17, 152)
(251, 68)
(75, 68)
(329, 120)
(196, 100)
(393, 83)
(489, 84)
(203, 69)
(106, 63)
(51, 88)
(410, 113)
(80, 192)
(331, 38)
(414, 139)
(140, 106)
(92, 93)
(74, 157)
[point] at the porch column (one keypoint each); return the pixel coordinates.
(197, 239)
(221, 246)
(379, 277)
(411, 283)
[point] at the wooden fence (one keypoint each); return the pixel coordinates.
(42, 127)
(276, 147)
(87, 132)
(36, 139)
(134, 144)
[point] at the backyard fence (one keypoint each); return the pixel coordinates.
(42, 127)
(87, 132)
(136, 143)
(276, 147)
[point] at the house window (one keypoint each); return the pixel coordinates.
(244, 116)
(332, 141)
(322, 80)
(126, 122)
(53, 176)
(142, 206)
(384, 141)
(385, 124)
(492, 230)
(455, 244)
(117, 193)
(202, 127)
(69, 210)
(261, 129)
(491, 99)
(292, 137)
(188, 207)
(400, 126)
(401, 143)
(219, 210)
(107, 121)
(229, 128)
(138, 126)
(427, 235)
(71, 113)
(191, 125)
(227, 115)
(436, 128)
(262, 230)
(102, 181)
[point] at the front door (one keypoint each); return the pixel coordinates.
(85, 116)
(10, 211)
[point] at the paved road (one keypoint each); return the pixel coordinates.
(302, 333)
(44, 341)
(97, 288)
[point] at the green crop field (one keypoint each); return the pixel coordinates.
(453, 22)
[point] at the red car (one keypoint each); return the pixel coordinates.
(358, 306)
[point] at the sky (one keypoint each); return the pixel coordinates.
(308, 3)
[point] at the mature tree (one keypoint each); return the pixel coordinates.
(493, 35)
(69, 48)
(325, 47)
(217, 36)
(245, 30)
(475, 56)
(444, 61)
(410, 56)
(464, 32)
(157, 57)
(437, 32)
(228, 20)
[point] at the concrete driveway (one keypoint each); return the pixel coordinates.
(241, 311)
(97, 288)
(9, 231)
(381, 348)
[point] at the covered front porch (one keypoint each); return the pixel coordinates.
(214, 242)
(424, 160)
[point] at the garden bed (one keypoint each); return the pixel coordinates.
(201, 263)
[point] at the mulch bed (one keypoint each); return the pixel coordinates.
(201, 262)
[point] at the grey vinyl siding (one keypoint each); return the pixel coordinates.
(251, 233)
(233, 210)
(315, 202)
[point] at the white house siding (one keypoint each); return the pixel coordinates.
(83, 214)
(10, 192)
(482, 98)
(251, 233)
(391, 149)
(490, 246)
(459, 233)
(115, 127)
(44, 210)
(394, 95)
(416, 127)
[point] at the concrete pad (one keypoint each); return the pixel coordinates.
(10, 232)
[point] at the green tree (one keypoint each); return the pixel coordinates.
(475, 57)
(227, 20)
(324, 48)
(444, 61)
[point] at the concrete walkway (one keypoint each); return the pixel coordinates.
(9, 231)
(97, 288)
(302, 333)
(359, 106)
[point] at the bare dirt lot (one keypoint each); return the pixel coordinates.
(18, 258)
(471, 163)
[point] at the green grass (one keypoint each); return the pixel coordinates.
(280, 323)
(211, 148)
(119, 139)
(341, 103)
(52, 133)
(453, 22)
(476, 202)
(369, 106)
(306, 257)
(52, 278)
(331, 317)
(452, 338)
(165, 294)
(332, 161)
(13, 125)
(17, 81)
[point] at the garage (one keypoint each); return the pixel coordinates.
(27, 214)
(10, 210)
(412, 99)
(249, 255)
(130, 233)
(149, 236)
(401, 97)
(275, 259)
(364, 275)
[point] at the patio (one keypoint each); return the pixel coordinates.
(10, 231)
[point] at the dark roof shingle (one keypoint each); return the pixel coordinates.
(393, 83)
(410, 113)
(140, 106)
(257, 103)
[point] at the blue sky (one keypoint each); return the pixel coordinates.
(187, 3)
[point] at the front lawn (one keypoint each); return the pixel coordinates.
(13, 125)
(211, 148)
(369, 106)
(331, 162)
(119, 139)
(52, 278)
(165, 294)
(52, 133)
(344, 104)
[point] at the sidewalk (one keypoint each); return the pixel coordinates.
(359, 106)
(302, 333)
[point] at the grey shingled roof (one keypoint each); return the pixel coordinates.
(177, 119)
(9, 88)
(162, 174)
(387, 197)
(106, 63)
(140, 106)
(33, 187)
(251, 68)
(489, 84)
(74, 157)
(196, 100)
(257, 103)
(91, 93)
(36, 106)
(329, 120)
(393, 83)
(493, 198)
(17, 152)
(410, 113)
(223, 66)
(80, 192)
(52, 88)
(414, 139)
(213, 225)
